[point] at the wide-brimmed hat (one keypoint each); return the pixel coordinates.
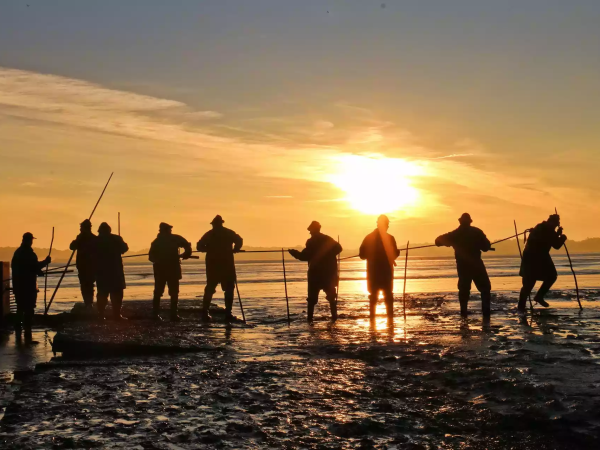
(164, 226)
(465, 218)
(218, 219)
(314, 226)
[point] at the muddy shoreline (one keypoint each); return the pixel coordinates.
(435, 381)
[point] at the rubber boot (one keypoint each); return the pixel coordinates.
(540, 300)
(333, 309)
(204, 315)
(117, 303)
(228, 307)
(372, 307)
(310, 312)
(174, 316)
(389, 308)
(521, 307)
(486, 304)
(463, 299)
(156, 310)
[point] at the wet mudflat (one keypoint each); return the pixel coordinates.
(434, 381)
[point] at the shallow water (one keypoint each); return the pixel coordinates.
(260, 280)
(434, 381)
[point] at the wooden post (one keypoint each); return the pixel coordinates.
(521, 255)
(287, 301)
(46, 275)
(404, 289)
(119, 223)
(339, 271)
(572, 270)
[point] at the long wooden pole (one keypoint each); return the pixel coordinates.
(521, 255)
(339, 270)
(572, 270)
(73, 253)
(404, 289)
(287, 301)
(238, 293)
(119, 223)
(46, 274)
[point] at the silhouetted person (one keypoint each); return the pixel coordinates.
(320, 253)
(164, 254)
(110, 276)
(380, 250)
(219, 244)
(85, 244)
(468, 243)
(537, 264)
(25, 270)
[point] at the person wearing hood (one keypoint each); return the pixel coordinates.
(219, 244)
(110, 276)
(321, 254)
(85, 244)
(165, 257)
(537, 264)
(468, 243)
(25, 270)
(380, 250)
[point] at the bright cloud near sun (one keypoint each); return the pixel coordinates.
(376, 184)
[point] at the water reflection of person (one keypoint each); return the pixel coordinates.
(380, 250)
(537, 264)
(468, 243)
(320, 253)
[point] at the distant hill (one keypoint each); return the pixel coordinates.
(507, 248)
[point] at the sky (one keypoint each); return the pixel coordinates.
(274, 113)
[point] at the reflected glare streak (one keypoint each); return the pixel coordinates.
(376, 184)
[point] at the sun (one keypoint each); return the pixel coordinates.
(377, 184)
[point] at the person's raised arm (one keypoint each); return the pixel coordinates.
(202, 245)
(238, 242)
(187, 248)
(484, 243)
(558, 239)
(74, 244)
(123, 247)
(445, 240)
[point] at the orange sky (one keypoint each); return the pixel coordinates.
(295, 118)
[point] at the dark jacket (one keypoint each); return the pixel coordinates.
(85, 244)
(164, 253)
(219, 245)
(380, 251)
(468, 243)
(109, 270)
(25, 270)
(537, 262)
(320, 253)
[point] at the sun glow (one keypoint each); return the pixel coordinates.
(376, 184)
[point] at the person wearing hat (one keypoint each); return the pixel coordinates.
(219, 244)
(537, 264)
(321, 254)
(380, 250)
(110, 276)
(164, 254)
(468, 243)
(25, 270)
(85, 244)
